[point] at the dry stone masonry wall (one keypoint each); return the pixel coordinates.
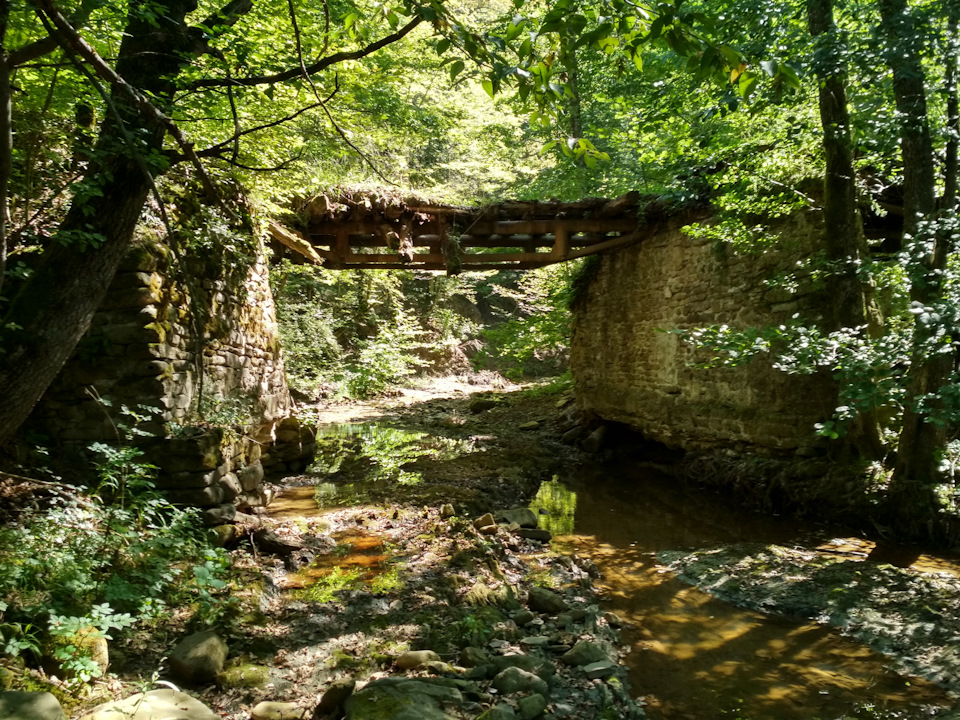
(628, 369)
(193, 348)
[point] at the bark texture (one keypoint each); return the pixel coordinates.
(844, 240)
(912, 498)
(53, 310)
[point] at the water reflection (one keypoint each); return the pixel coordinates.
(355, 461)
(556, 505)
(692, 656)
(379, 451)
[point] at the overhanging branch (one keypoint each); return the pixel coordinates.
(313, 68)
(67, 36)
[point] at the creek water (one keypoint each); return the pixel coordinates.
(693, 656)
(690, 656)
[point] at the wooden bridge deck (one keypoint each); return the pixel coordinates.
(367, 232)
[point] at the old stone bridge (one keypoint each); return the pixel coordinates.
(200, 339)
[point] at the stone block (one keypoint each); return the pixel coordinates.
(219, 515)
(205, 497)
(230, 485)
(186, 479)
(199, 658)
(17, 705)
(135, 297)
(251, 476)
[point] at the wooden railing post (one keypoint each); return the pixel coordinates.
(561, 242)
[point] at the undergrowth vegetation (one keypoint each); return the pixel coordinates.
(361, 334)
(82, 563)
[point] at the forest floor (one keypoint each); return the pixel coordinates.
(394, 554)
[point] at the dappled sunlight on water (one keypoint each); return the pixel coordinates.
(297, 502)
(692, 656)
(354, 460)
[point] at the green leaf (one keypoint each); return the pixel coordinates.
(456, 68)
(488, 86)
(656, 27)
(548, 147)
(608, 44)
(769, 67)
(638, 59)
(442, 46)
(790, 76)
(731, 56)
(576, 24)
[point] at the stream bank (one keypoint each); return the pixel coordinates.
(387, 555)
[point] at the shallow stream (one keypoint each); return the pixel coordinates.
(690, 656)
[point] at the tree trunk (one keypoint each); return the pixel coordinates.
(50, 314)
(6, 160)
(844, 240)
(912, 496)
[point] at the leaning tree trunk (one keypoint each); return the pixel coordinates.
(844, 240)
(50, 314)
(6, 135)
(912, 498)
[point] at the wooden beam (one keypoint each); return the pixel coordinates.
(393, 266)
(561, 244)
(538, 227)
(342, 246)
(387, 258)
(483, 227)
(623, 204)
(619, 242)
(295, 241)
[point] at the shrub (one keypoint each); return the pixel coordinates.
(92, 562)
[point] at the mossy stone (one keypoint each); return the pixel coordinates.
(88, 642)
(243, 676)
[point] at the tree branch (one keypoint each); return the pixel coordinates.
(121, 125)
(70, 39)
(45, 46)
(276, 168)
(316, 67)
(215, 150)
(216, 25)
(358, 151)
